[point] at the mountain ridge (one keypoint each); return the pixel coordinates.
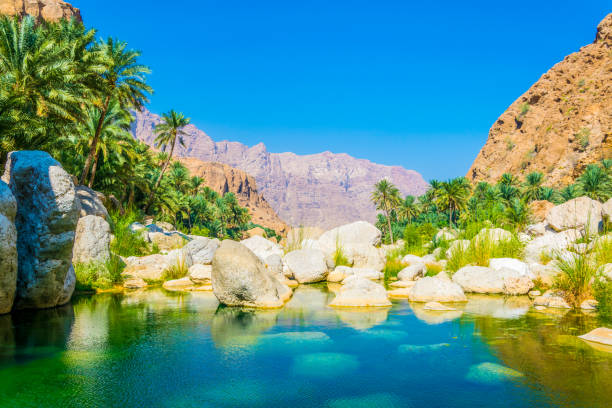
(322, 189)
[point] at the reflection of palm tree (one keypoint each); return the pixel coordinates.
(386, 197)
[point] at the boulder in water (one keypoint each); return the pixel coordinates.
(8, 248)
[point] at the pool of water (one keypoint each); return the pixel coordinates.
(160, 349)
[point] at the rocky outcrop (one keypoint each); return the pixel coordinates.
(92, 240)
(91, 202)
(436, 289)
(47, 215)
(223, 178)
(202, 249)
(262, 247)
(239, 278)
(47, 10)
(479, 279)
(8, 248)
(561, 124)
(580, 213)
(324, 189)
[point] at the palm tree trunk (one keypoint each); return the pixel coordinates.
(161, 175)
(93, 170)
(450, 216)
(389, 225)
(94, 143)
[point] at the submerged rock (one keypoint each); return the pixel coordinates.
(380, 400)
(491, 374)
(361, 292)
(325, 365)
(239, 278)
(601, 335)
(47, 215)
(437, 306)
(8, 248)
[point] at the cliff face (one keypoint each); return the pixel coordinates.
(48, 10)
(323, 190)
(226, 179)
(561, 124)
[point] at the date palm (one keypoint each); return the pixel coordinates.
(386, 197)
(532, 188)
(123, 79)
(168, 132)
(408, 209)
(595, 183)
(453, 196)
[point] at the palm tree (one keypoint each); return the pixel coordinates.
(195, 183)
(386, 197)
(454, 195)
(509, 179)
(570, 192)
(507, 192)
(168, 132)
(408, 209)
(595, 183)
(549, 194)
(532, 189)
(123, 80)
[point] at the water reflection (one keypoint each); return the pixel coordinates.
(240, 327)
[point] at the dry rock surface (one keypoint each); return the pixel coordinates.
(48, 10)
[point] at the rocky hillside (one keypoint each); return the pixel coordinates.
(48, 10)
(561, 124)
(323, 190)
(226, 179)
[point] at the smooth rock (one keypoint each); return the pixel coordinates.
(200, 274)
(47, 215)
(412, 259)
(262, 247)
(274, 264)
(361, 292)
(601, 335)
(412, 272)
(167, 241)
(435, 289)
(134, 283)
(239, 278)
(578, 213)
(359, 232)
(202, 249)
(458, 245)
(91, 202)
(589, 304)
(494, 235)
(178, 284)
(307, 265)
(479, 279)
(551, 299)
(510, 263)
(150, 268)
(92, 240)
(8, 248)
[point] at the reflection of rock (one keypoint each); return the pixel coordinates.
(499, 307)
(360, 292)
(309, 301)
(363, 318)
(91, 323)
(294, 342)
(240, 327)
(434, 316)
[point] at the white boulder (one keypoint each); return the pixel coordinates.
(580, 213)
(306, 265)
(361, 292)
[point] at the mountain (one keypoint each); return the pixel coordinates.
(226, 179)
(323, 190)
(561, 124)
(48, 10)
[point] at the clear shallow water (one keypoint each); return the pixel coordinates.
(159, 349)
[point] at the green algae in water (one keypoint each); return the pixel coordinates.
(325, 365)
(491, 374)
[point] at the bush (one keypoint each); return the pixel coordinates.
(602, 289)
(340, 258)
(97, 275)
(200, 231)
(178, 271)
(392, 268)
(433, 269)
(481, 250)
(603, 250)
(126, 242)
(576, 272)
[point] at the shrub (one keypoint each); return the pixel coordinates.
(603, 250)
(576, 272)
(602, 289)
(92, 275)
(200, 231)
(126, 242)
(392, 268)
(481, 250)
(340, 258)
(177, 271)
(433, 269)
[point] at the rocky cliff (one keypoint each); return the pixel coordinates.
(561, 124)
(323, 189)
(48, 10)
(226, 179)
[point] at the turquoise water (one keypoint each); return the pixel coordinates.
(160, 349)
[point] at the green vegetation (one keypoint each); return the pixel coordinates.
(177, 271)
(481, 249)
(340, 259)
(523, 109)
(575, 277)
(602, 289)
(582, 137)
(393, 266)
(98, 275)
(63, 92)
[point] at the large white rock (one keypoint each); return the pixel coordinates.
(202, 249)
(360, 232)
(262, 247)
(306, 265)
(606, 210)
(579, 213)
(412, 259)
(239, 278)
(167, 241)
(361, 292)
(601, 335)
(551, 299)
(47, 215)
(446, 234)
(8, 248)
(412, 272)
(436, 289)
(545, 273)
(479, 279)
(365, 256)
(92, 240)
(510, 263)
(148, 268)
(550, 243)
(200, 274)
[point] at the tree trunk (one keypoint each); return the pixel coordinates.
(93, 170)
(389, 224)
(94, 143)
(161, 175)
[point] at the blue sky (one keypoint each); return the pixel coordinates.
(397, 82)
